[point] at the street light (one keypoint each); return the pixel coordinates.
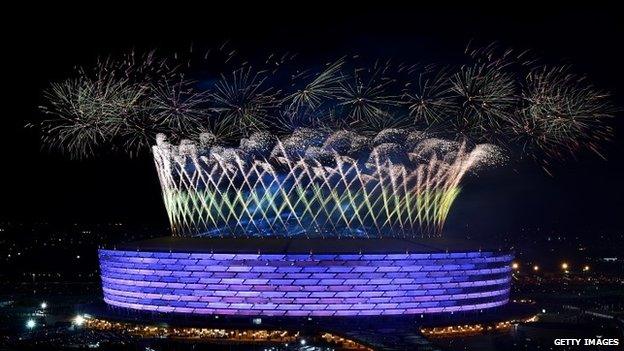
(536, 268)
(44, 305)
(30, 323)
(564, 266)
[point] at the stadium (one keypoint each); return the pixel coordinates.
(266, 277)
(341, 236)
(302, 195)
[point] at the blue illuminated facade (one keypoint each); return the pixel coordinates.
(289, 284)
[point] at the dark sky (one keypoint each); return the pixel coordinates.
(41, 47)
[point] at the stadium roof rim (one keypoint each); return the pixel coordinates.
(278, 245)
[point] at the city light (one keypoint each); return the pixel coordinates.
(151, 331)
(586, 268)
(469, 329)
(303, 342)
(564, 266)
(79, 320)
(44, 305)
(30, 323)
(515, 265)
(536, 268)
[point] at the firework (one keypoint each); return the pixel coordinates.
(345, 150)
(323, 87)
(561, 114)
(109, 102)
(315, 184)
(88, 112)
(177, 106)
(245, 98)
(431, 100)
(486, 98)
(367, 96)
(497, 96)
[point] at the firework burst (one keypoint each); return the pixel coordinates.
(430, 99)
(562, 114)
(367, 95)
(322, 88)
(497, 96)
(245, 98)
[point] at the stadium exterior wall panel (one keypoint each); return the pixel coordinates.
(305, 285)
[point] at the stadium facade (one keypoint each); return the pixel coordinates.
(304, 277)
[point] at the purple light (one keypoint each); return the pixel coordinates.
(305, 285)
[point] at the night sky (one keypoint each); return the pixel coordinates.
(584, 194)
